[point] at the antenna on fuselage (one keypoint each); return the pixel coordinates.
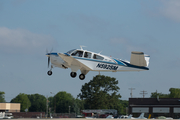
(100, 52)
(81, 46)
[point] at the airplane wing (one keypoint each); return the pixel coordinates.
(74, 64)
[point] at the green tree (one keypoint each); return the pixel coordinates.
(51, 101)
(23, 99)
(38, 103)
(2, 97)
(174, 93)
(100, 93)
(63, 101)
(78, 105)
(160, 95)
(122, 109)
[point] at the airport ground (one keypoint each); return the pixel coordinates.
(67, 119)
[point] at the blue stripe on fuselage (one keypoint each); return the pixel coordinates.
(67, 54)
(119, 62)
(134, 66)
(52, 54)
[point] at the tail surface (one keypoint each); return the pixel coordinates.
(139, 59)
(129, 117)
(142, 116)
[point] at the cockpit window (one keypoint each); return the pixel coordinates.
(69, 52)
(98, 57)
(77, 53)
(87, 55)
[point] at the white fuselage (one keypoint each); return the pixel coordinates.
(85, 61)
(92, 64)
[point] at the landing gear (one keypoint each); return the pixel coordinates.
(49, 72)
(81, 76)
(73, 74)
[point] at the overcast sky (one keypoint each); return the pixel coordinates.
(29, 27)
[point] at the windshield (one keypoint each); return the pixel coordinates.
(69, 52)
(77, 53)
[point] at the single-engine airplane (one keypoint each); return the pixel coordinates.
(85, 61)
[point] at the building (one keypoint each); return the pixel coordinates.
(13, 109)
(168, 107)
(10, 107)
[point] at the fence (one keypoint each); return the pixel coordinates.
(64, 115)
(28, 114)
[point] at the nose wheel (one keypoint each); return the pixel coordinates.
(73, 74)
(81, 76)
(49, 72)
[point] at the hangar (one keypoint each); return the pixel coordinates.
(168, 107)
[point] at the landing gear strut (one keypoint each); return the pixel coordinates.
(81, 76)
(73, 74)
(49, 72)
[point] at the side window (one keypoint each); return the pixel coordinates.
(87, 55)
(77, 53)
(98, 57)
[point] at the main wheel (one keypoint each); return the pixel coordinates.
(81, 76)
(73, 74)
(49, 73)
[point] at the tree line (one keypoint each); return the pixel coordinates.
(174, 93)
(101, 92)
